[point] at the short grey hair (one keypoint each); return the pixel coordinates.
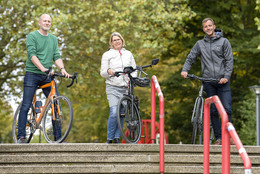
(43, 15)
(119, 35)
(207, 19)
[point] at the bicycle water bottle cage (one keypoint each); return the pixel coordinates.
(38, 106)
(128, 69)
(141, 81)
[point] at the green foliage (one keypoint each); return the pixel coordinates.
(151, 29)
(5, 122)
(247, 110)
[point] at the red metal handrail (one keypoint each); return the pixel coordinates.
(155, 85)
(241, 150)
(145, 133)
(225, 136)
(227, 128)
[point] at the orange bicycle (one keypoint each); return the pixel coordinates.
(56, 115)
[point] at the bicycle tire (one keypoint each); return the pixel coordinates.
(62, 123)
(28, 126)
(200, 121)
(195, 124)
(130, 128)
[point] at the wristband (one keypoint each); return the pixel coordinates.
(62, 68)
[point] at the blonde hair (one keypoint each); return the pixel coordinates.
(119, 35)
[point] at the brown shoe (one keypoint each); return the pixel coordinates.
(218, 142)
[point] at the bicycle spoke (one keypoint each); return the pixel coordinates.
(57, 129)
(29, 124)
(131, 124)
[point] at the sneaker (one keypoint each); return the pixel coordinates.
(117, 141)
(109, 142)
(22, 140)
(218, 142)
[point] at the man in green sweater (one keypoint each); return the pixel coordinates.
(42, 50)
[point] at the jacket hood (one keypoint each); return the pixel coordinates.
(218, 34)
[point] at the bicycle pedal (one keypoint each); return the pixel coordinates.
(57, 120)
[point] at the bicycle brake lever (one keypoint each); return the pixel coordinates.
(116, 74)
(191, 76)
(75, 76)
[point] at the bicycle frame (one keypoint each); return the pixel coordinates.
(200, 97)
(131, 93)
(49, 99)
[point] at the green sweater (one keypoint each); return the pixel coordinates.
(45, 48)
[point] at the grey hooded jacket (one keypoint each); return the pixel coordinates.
(216, 56)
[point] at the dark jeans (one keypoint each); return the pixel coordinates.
(224, 93)
(31, 82)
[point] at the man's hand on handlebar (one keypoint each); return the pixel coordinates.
(223, 81)
(64, 72)
(184, 74)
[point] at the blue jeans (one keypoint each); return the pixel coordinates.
(224, 93)
(31, 82)
(113, 130)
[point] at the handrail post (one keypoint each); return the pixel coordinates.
(156, 85)
(206, 133)
(225, 136)
(152, 112)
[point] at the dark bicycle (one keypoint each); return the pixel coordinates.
(128, 112)
(198, 110)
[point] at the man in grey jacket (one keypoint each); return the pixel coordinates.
(216, 62)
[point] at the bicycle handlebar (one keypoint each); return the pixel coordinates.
(48, 74)
(130, 69)
(192, 77)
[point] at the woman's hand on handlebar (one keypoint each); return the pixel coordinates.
(111, 72)
(184, 74)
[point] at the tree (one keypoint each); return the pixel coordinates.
(166, 29)
(236, 19)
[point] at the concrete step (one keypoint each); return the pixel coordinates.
(116, 158)
(119, 159)
(144, 169)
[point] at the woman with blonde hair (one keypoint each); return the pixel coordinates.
(115, 59)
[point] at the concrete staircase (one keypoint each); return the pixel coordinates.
(122, 158)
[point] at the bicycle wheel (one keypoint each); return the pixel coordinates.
(129, 120)
(196, 113)
(56, 130)
(30, 125)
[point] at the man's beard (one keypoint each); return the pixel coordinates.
(45, 28)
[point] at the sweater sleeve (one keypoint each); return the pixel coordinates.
(134, 74)
(104, 66)
(191, 58)
(56, 52)
(31, 46)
